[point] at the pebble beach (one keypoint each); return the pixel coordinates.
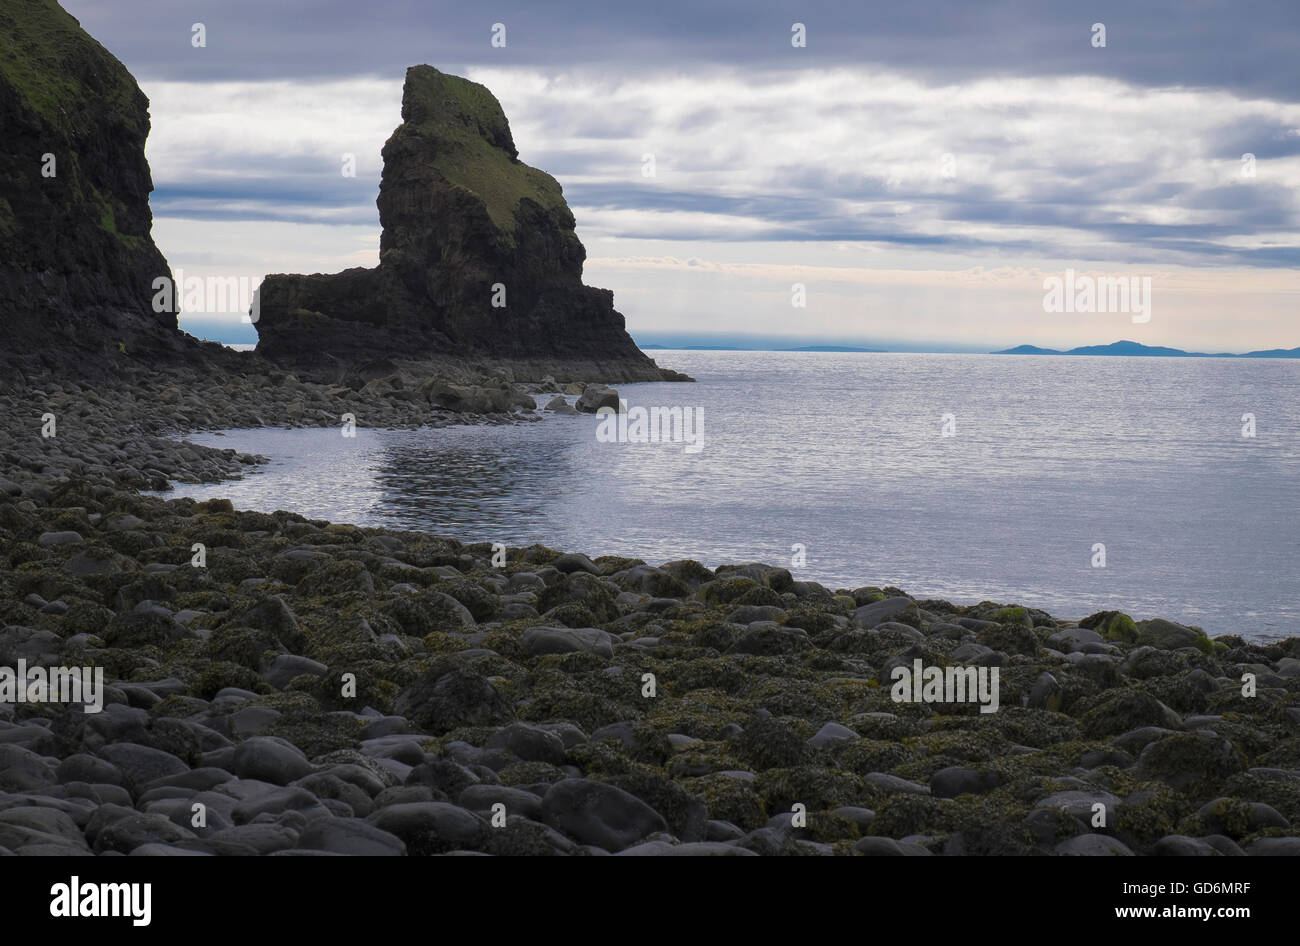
(277, 685)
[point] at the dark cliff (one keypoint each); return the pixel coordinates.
(463, 219)
(77, 261)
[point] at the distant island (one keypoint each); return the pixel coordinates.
(1131, 349)
(1115, 349)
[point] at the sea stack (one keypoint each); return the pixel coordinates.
(77, 261)
(478, 259)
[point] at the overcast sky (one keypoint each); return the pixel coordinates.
(920, 168)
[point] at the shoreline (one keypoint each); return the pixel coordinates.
(969, 598)
(324, 688)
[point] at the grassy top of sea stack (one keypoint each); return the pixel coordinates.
(475, 148)
(41, 41)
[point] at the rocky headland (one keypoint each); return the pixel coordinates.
(465, 225)
(77, 261)
(478, 258)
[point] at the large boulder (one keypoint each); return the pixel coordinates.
(596, 396)
(1166, 635)
(431, 827)
(540, 641)
(444, 699)
(598, 814)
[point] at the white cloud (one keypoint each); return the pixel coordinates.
(758, 176)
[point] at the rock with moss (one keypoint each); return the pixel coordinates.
(77, 262)
(1166, 635)
(1190, 762)
(478, 257)
(1112, 626)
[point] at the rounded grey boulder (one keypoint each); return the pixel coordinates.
(598, 814)
(563, 640)
(350, 836)
(270, 759)
(595, 397)
(431, 827)
(531, 743)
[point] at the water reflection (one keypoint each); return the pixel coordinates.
(503, 486)
(844, 455)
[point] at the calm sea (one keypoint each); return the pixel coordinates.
(1040, 462)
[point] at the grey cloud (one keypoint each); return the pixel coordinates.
(1251, 202)
(595, 151)
(627, 124)
(1261, 137)
(320, 190)
(1248, 46)
(265, 213)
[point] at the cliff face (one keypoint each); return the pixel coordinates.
(77, 261)
(463, 221)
